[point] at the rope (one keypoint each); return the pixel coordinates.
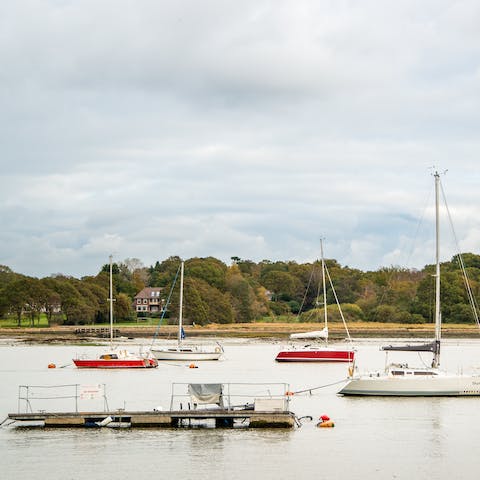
(310, 390)
(471, 298)
(165, 308)
(4, 421)
(338, 304)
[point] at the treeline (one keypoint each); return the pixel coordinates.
(244, 291)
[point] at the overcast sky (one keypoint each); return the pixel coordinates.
(224, 128)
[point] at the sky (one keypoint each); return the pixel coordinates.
(146, 129)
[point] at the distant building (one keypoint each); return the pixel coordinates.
(149, 300)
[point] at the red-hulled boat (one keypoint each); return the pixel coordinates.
(322, 352)
(315, 354)
(115, 357)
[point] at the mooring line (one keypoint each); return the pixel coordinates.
(310, 390)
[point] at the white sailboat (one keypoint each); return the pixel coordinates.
(319, 352)
(400, 379)
(183, 351)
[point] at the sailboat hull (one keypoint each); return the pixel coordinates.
(116, 363)
(194, 353)
(315, 355)
(428, 386)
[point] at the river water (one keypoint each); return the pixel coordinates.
(379, 438)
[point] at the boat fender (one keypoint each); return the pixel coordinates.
(52, 365)
(218, 349)
(350, 371)
(105, 422)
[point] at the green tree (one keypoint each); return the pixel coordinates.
(210, 270)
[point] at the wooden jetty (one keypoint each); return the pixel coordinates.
(159, 419)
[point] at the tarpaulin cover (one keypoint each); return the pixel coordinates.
(205, 392)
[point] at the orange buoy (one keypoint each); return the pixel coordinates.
(289, 394)
(52, 365)
(192, 365)
(326, 423)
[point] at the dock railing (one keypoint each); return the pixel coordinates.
(44, 395)
(230, 396)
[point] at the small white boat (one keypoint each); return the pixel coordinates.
(183, 351)
(186, 352)
(400, 380)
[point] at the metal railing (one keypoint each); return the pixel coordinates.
(48, 393)
(232, 395)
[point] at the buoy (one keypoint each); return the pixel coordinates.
(325, 422)
(52, 365)
(192, 365)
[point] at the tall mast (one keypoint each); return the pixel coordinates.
(180, 311)
(438, 315)
(111, 301)
(324, 285)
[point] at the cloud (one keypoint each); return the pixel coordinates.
(151, 129)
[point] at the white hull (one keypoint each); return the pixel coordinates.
(411, 386)
(187, 353)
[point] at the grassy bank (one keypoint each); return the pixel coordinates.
(273, 330)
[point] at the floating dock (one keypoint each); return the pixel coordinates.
(225, 405)
(162, 419)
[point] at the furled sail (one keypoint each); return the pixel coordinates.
(315, 334)
(433, 347)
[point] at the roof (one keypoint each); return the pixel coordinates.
(149, 292)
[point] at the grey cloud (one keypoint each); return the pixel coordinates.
(220, 128)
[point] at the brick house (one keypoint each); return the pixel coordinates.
(149, 300)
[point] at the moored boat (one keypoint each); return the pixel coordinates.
(400, 380)
(316, 354)
(183, 351)
(116, 357)
(319, 352)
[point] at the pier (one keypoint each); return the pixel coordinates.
(215, 405)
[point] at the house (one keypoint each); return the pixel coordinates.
(149, 300)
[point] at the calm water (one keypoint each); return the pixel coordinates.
(373, 438)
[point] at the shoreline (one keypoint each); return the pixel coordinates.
(276, 331)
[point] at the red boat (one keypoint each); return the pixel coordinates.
(316, 354)
(322, 352)
(117, 359)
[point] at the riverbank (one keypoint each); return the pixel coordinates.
(275, 331)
